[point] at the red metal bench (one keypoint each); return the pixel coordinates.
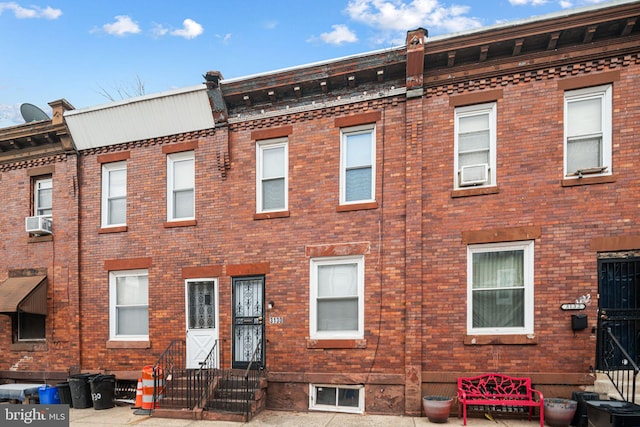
(497, 392)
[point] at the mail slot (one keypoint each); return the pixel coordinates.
(248, 320)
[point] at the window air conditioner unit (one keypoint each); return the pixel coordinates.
(474, 174)
(38, 224)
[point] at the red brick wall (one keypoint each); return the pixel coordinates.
(226, 234)
(529, 175)
(60, 351)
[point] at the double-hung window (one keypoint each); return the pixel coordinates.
(357, 164)
(337, 298)
(475, 145)
(114, 194)
(587, 131)
(180, 186)
(500, 288)
(129, 305)
(272, 166)
(43, 197)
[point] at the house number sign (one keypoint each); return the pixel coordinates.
(275, 320)
(574, 306)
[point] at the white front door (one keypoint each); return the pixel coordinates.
(202, 321)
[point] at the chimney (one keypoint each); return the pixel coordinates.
(415, 61)
(216, 100)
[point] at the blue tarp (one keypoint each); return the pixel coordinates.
(18, 391)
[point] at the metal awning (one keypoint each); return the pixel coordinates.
(28, 294)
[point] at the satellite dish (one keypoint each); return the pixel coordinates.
(31, 113)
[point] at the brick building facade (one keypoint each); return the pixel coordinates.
(39, 275)
(379, 224)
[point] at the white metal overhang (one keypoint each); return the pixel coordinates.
(144, 117)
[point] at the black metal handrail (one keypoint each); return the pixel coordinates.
(233, 390)
(251, 377)
(173, 356)
(619, 366)
(205, 377)
(168, 373)
(208, 386)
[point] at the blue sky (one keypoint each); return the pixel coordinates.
(90, 51)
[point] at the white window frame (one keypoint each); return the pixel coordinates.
(604, 94)
(489, 108)
(113, 327)
(313, 388)
(344, 134)
(171, 160)
(107, 169)
(38, 185)
(528, 281)
(261, 147)
(313, 294)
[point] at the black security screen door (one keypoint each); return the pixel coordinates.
(619, 304)
(248, 321)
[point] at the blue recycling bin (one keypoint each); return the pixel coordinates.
(48, 395)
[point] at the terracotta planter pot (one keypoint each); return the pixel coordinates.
(437, 408)
(559, 412)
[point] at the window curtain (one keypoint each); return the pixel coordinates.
(117, 196)
(358, 167)
(473, 140)
(498, 289)
(132, 305)
(338, 297)
(584, 134)
(183, 185)
(273, 178)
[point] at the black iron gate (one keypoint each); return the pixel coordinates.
(618, 305)
(248, 322)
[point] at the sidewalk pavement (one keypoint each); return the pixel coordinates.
(125, 416)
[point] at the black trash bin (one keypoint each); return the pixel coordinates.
(103, 389)
(80, 390)
(65, 393)
(613, 413)
(580, 419)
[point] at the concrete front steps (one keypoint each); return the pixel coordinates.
(607, 391)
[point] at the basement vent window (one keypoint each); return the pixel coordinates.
(336, 398)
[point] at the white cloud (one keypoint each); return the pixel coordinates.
(270, 25)
(50, 13)
(10, 115)
(564, 4)
(393, 18)
(30, 12)
(158, 30)
(190, 29)
(339, 35)
(528, 2)
(124, 25)
(226, 38)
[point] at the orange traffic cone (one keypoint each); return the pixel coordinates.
(139, 394)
